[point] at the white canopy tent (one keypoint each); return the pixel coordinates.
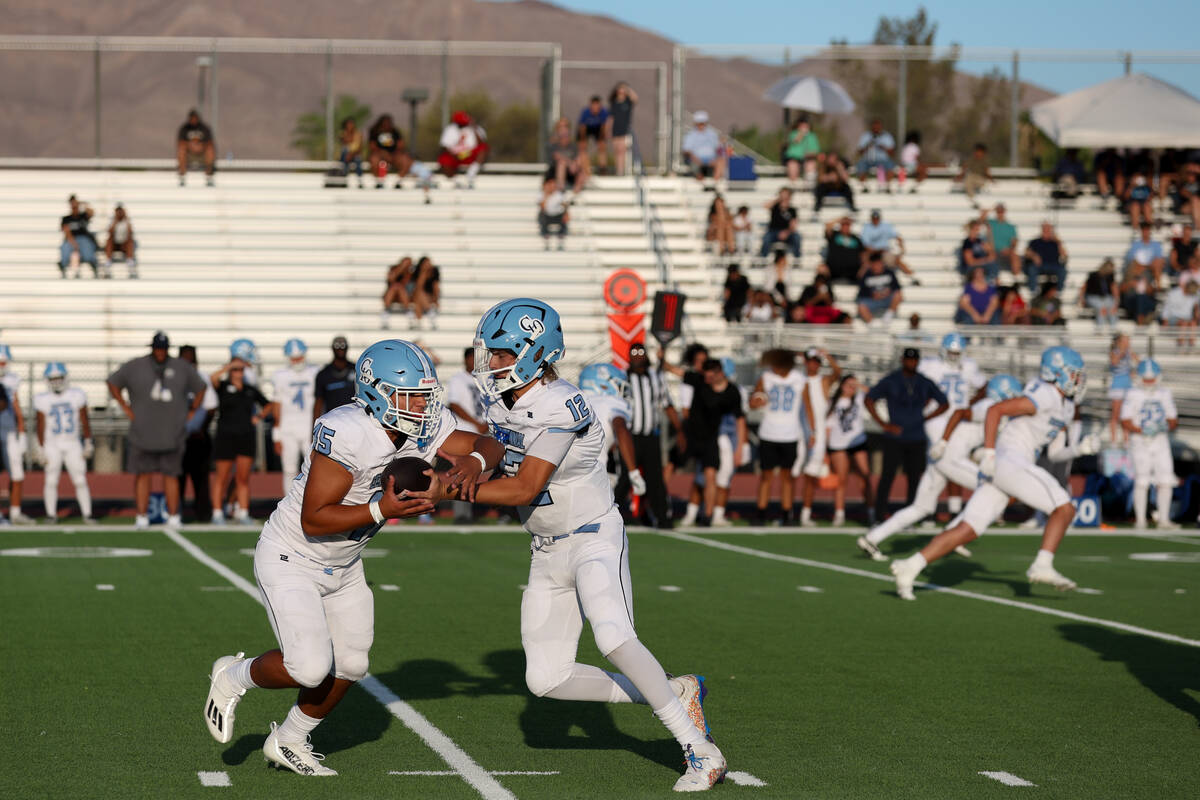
(1132, 111)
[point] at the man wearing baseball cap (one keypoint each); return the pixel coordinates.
(703, 149)
(907, 393)
(335, 381)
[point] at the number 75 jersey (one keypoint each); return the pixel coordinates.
(553, 422)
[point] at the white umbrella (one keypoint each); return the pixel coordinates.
(811, 94)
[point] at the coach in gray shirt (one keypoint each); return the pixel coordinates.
(158, 387)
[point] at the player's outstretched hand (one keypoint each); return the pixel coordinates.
(465, 473)
(393, 506)
(937, 450)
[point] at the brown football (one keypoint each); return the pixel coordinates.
(408, 473)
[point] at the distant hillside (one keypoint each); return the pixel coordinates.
(49, 95)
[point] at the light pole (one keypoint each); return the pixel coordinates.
(414, 97)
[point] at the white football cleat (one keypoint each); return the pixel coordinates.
(870, 548)
(1167, 525)
(222, 699)
(296, 756)
(691, 692)
(705, 767)
(839, 518)
(141, 523)
(962, 551)
(1049, 576)
(906, 576)
(19, 517)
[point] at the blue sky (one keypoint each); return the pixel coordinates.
(1086, 24)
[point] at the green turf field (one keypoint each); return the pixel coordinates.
(823, 684)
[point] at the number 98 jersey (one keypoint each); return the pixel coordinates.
(553, 422)
(355, 440)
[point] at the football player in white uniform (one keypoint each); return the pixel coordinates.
(1148, 414)
(62, 419)
(308, 560)
(294, 387)
(605, 387)
(815, 410)
(13, 439)
(961, 380)
(1008, 469)
(779, 392)
(949, 462)
(554, 475)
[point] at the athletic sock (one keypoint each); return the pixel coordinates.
(675, 718)
(297, 726)
(1045, 558)
(1141, 496)
(239, 675)
(643, 670)
(83, 496)
(917, 560)
(954, 504)
(1164, 503)
(690, 515)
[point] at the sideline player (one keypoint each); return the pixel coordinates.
(554, 475)
(815, 410)
(779, 392)
(294, 391)
(605, 387)
(308, 561)
(961, 380)
(1008, 469)
(1148, 414)
(61, 419)
(13, 441)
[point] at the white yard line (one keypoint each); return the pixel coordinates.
(445, 772)
(454, 756)
(214, 778)
(744, 779)
(862, 573)
(1007, 778)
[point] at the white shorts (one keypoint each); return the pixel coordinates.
(1152, 461)
(1018, 480)
(585, 574)
(14, 456)
(323, 617)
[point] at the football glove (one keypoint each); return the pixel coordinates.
(38, 457)
(637, 483)
(937, 450)
(89, 449)
(1089, 445)
(986, 458)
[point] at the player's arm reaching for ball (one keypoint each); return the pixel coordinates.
(518, 490)
(323, 513)
(472, 458)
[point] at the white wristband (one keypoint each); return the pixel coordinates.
(376, 514)
(275, 437)
(482, 461)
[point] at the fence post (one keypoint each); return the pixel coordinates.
(329, 103)
(96, 78)
(677, 62)
(445, 84)
(1014, 114)
(664, 122)
(902, 96)
(212, 96)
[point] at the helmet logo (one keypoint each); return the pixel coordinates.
(365, 372)
(533, 327)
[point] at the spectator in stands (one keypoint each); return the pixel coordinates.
(975, 173)
(743, 230)
(593, 127)
(911, 165)
(352, 149)
(1047, 307)
(845, 253)
(239, 410)
(120, 240)
(1181, 311)
(980, 301)
(1187, 193)
(879, 292)
(1003, 238)
(387, 149)
(976, 251)
(816, 305)
(566, 165)
(1069, 174)
(553, 216)
(335, 381)
(1045, 255)
(1139, 199)
(720, 227)
(1099, 293)
(736, 292)
(1138, 292)
(1110, 174)
(704, 149)
(78, 246)
(762, 307)
(783, 229)
(833, 180)
(876, 151)
(801, 150)
(621, 101)
(878, 236)
(195, 144)
(400, 285)
(427, 292)
(1147, 252)
(1192, 273)
(1013, 310)
(1183, 247)
(464, 145)
(159, 388)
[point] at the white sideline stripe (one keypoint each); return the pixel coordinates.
(744, 779)
(105, 587)
(1003, 601)
(478, 778)
(214, 779)
(1007, 778)
(441, 772)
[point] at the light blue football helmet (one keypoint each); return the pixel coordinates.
(387, 375)
(294, 348)
(529, 329)
(1004, 387)
(1064, 368)
(1148, 371)
(5, 354)
(604, 379)
(728, 367)
(55, 374)
(953, 347)
(245, 350)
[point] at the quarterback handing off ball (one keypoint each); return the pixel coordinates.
(409, 474)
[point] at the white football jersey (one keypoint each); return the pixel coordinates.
(959, 382)
(1026, 436)
(968, 434)
(606, 408)
(356, 440)
(553, 422)
(61, 412)
(781, 414)
(295, 390)
(846, 423)
(462, 391)
(12, 384)
(1149, 408)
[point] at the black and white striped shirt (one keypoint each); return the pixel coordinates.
(647, 396)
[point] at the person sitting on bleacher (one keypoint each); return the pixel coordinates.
(876, 153)
(194, 143)
(845, 253)
(975, 173)
(352, 146)
(783, 230)
(816, 305)
(1047, 307)
(879, 292)
(833, 180)
(1148, 253)
(1183, 249)
(1186, 191)
(566, 164)
(78, 246)
(464, 145)
(703, 149)
(1069, 174)
(552, 213)
(1099, 292)
(1045, 255)
(387, 149)
(878, 236)
(400, 284)
(976, 251)
(120, 240)
(1138, 293)
(1181, 311)
(1004, 238)
(1110, 174)
(427, 294)
(1138, 197)
(979, 303)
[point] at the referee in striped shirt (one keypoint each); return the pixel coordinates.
(647, 397)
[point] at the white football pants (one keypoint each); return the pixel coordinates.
(955, 466)
(69, 453)
(1015, 479)
(1152, 464)
(295, 447)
